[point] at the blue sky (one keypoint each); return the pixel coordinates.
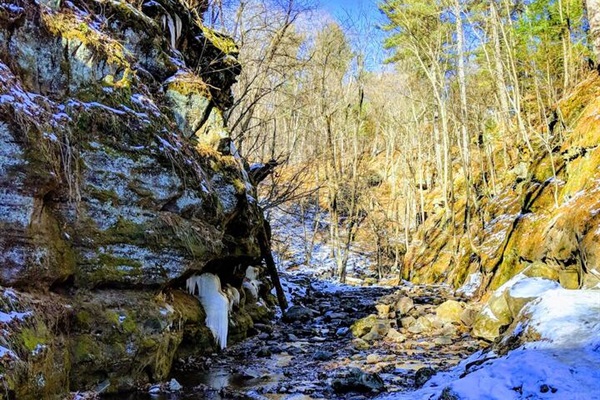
(360, 19)
(342, 7)
(354, 9)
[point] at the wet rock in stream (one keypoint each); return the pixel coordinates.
(356, 380)
(337, 343)
(298, 313)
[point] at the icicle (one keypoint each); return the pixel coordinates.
(190, 284)
(178, 27)
(172, 32)
(214, 302)
(251, 281)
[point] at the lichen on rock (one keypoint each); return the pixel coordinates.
(544, 213)
(118, 183)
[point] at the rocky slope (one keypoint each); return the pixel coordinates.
(546, 213)
(542, 222)
(117, 182)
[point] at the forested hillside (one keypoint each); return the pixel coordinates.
(416, 156)
(266, 199)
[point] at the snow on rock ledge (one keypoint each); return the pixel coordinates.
(562, 362)
(506, 302)
(560, 319)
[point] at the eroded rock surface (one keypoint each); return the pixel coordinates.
(116, 184)
(543, 217)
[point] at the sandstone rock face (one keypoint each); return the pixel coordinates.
(543, 217)
(117, 182)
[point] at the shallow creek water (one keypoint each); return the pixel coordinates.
(299, 360)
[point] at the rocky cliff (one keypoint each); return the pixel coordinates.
(542, 222)
(117, 182)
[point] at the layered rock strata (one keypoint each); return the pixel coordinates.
(117, 183)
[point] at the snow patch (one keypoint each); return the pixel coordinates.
(4, 352)
(566, 318)
(563, 365)
(469, 288)
(7, 318)
(302, 247)
(333, 287)
(532, 287)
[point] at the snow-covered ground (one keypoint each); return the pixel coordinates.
(563, 363)
(301, 244)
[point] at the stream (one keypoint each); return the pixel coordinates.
(313, 354)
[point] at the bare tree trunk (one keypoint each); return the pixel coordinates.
(514, 75)
(499, 69)
(264, 242)
(462, 84)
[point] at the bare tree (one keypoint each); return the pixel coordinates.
(593, 13)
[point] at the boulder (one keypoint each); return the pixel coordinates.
(493, 317)
(539, 269)
(423, 324)
(364, 325)
(487, 325)
(356, 380)
(297, 314)
(558, 318)
(343, 331)
(526, 290)
(569, 278)
(506, 303)
(383, 310)
(372, 336)
(407, 322)
(498, 306)
(467, 317)
(374, 358)
(450, 311)
(264, 351)
(442, 340)
(423, 375)
(360, 344)
(395, 336)
(381, 327)
(436, 322)
(404, 305)
(322, 355)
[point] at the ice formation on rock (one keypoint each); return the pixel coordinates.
(233, 295)
(215, 303)
(251, 281)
